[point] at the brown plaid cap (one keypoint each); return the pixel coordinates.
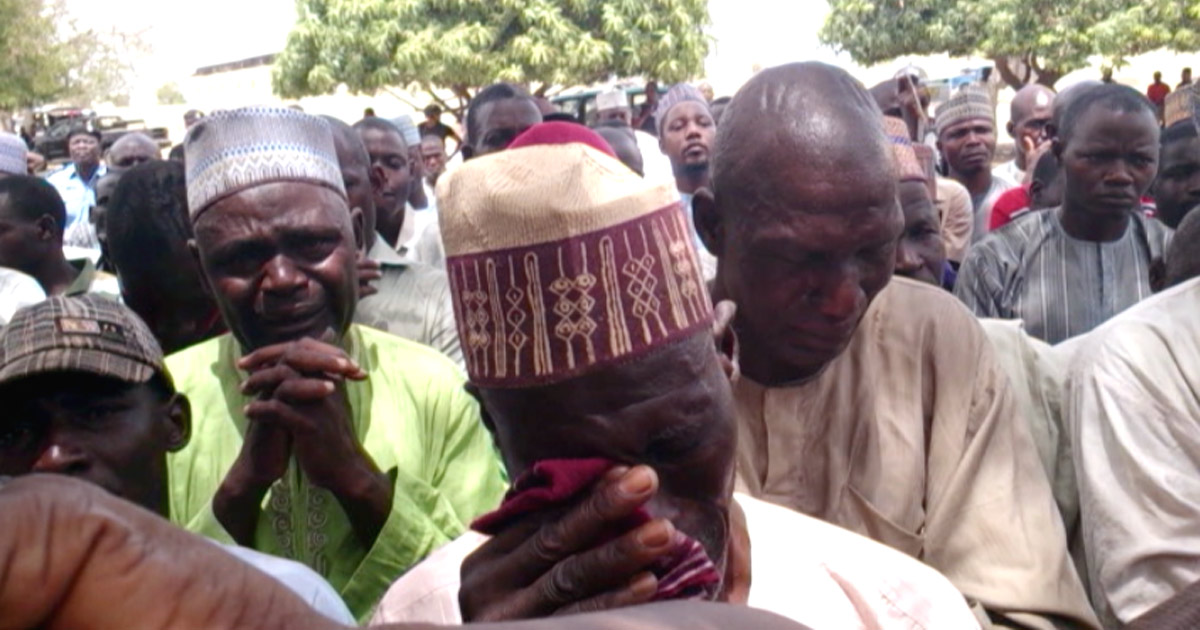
(85, 333)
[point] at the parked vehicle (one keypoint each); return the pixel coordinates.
(52, 142)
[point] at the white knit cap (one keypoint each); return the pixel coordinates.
(12, 155)
(408, 130)
(231, 151)
(611, 99)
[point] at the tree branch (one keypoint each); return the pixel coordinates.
(1006, 72)
(400, 98)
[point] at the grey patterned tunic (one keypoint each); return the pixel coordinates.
(1032, 270)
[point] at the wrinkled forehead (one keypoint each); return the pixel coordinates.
(270, 206)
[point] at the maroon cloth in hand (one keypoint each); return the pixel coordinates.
(686, 573)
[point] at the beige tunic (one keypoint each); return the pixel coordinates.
(957, 217)
(1132, 405)
(912, 437)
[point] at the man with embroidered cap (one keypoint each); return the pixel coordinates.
(872, 402)
(348, 449)
(12, 155)
(686, 135)
(920, 254)
(87, 396)
(966, 131)
(590, 343)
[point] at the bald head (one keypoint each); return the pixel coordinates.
(803, 219)
(130, 150)
(1029, 119)
(1031, 99)
(808, 120)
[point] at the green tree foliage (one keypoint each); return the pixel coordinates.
(461, 45)
(48, 58)
(170, 94)
(1028, 40)
(31, 66)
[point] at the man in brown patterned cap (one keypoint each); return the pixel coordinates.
(87, 396)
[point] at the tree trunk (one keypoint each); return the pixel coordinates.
(1018, 72)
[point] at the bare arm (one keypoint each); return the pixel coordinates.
(73, 557)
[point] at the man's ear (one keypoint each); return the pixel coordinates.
(1011, 129)
(708, 221)
(358, 225)
(724, 336)
(46, 227)
(179, 417)
(1057, 147)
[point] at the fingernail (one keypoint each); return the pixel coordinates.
(343, 364)
(656, 534)
(615, 473)
(328, 387)
(637, 482)
(645, 584)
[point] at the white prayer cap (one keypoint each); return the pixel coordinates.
(231, 151)
(408, 130)
(12, 155)
(611, 99)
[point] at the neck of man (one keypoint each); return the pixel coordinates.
(54, 273)
(1080, 224)
(689, 179)
(86, 169)
(1021, 162)
(976, 183)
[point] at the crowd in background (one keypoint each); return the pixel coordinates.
(808, 350)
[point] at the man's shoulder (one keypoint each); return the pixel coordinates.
(1149, 333)
(905, 301)
(422, 275)
(298, 578)
(63, 174)
(194, 362)
(428, 592)
(1017, 235)
(881, 581)
(920, 318)
(394, 353)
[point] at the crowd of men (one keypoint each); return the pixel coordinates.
(807, 352)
